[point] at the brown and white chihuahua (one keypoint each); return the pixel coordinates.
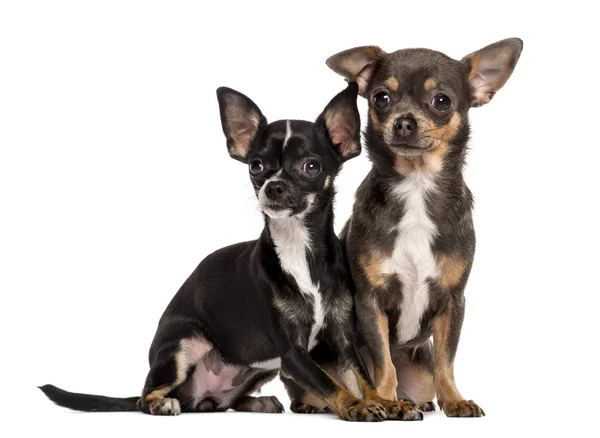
(410, 240)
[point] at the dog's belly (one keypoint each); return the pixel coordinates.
(217, 383)
(412, 259)
(222, 383)
(210, 382)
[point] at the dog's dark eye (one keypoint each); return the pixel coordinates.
(256, 166)
(381, 99)
(441, 102)
(312, 167)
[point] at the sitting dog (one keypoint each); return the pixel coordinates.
(254, 308)
(410, 241)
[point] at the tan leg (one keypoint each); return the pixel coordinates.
(351, 408)
(374, 326)
(396, 409)
(385, 374)
(446, 330)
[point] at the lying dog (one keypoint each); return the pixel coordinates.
(410, 240)
(255, 307)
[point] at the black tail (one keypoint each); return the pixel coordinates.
(87, 402)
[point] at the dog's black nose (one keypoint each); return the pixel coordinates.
(405, 126)
(275, 189)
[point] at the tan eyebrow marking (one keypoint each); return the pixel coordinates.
(430, 84)
(392, 83)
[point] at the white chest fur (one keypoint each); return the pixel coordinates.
(412, 259)
(292, 241)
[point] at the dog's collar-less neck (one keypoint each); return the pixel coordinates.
(446, 179)
(311, 230)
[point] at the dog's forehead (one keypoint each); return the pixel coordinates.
(415, 68)
(287, 136)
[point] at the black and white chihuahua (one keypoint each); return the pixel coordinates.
(255, 308)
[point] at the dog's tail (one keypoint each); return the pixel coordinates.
(88, 402)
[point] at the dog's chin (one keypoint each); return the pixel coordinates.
(409, 151)
(278, 212)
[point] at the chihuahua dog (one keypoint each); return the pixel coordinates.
(410, 240)
(255, 308)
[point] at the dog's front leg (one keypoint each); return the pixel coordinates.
(297, 364)
(373, 323)
(446, 328)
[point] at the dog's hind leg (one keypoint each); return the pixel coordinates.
(170, 366)
(414, 370)
(247, 403)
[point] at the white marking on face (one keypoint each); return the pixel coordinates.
(288, 133)
(271, 364)
(292, 241)
(263, 200)
(412, 259)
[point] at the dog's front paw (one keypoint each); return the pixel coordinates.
(461, 408)
(164, 406)
(403, 410)
(364, 410)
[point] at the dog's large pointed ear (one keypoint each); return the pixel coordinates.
(357, 65)
(341, 121)
(491, 67)
(241, 119)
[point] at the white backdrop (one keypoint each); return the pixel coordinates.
(115, 182)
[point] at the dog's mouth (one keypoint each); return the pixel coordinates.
(409, 150)
(275, 210)
(291, 208)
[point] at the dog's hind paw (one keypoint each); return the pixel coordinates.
(264, 404)
(303, 408)
(164, 406)
(461, 408)
(427, 406)
(403, 410)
